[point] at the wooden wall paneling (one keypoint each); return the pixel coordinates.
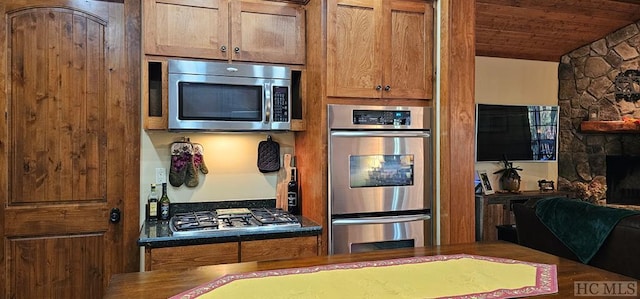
(5, 145)
(457, 105)
(127, 258)
(311, 147)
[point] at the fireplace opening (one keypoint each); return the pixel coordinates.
(623, 180)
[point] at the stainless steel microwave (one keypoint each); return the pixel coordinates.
(218, 96)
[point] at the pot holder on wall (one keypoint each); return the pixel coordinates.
(197, 165)
(268, 155)
(181, 159)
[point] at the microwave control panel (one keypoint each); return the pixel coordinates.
(381, 117)
(280, 104)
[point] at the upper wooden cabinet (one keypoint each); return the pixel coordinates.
(270, 32)
(380, 49)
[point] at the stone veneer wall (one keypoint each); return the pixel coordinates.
(586, 79)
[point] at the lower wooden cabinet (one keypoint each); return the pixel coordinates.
(278, 249)
(189, 256)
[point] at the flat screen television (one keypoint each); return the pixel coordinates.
(517, 132)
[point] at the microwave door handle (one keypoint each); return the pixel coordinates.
(267, 104)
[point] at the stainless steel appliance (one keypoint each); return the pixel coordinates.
(218, 96)
(254, 219)
(380, 177)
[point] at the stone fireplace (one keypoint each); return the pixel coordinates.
(586, 85)
(623, 180)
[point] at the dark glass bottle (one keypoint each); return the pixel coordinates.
(152, 204)
(293, 199)
(164, 204)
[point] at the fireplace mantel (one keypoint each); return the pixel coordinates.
(609, 126)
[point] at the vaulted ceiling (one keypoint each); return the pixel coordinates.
(547, 29)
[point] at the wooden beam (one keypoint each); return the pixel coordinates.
(457, 118)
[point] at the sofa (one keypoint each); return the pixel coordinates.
(619, 252)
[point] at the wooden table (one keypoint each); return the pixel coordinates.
(166, 283)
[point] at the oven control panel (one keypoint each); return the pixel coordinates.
(381, 117)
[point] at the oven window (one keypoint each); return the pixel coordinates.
(380, 170)
(225, 102)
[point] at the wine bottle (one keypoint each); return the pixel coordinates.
(293, 200)
(164, 204)
(152, 204)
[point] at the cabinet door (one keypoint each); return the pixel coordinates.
(354, 66)
(408, 50)
(181, 257)
(186, 28)
(278, 249)
(267, 32)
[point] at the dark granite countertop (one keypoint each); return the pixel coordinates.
(158, 234)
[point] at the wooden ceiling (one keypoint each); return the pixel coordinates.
(547, 29)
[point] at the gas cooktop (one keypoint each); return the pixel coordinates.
(255, 219)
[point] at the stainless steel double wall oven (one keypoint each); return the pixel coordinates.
(380, 177)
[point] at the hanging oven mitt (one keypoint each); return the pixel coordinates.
(268, 155)
(198, 158)
(181, 158)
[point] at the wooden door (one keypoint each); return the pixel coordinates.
(354, 61)
(267, 32)
(408, 49)
(69, 146)
(187, 28)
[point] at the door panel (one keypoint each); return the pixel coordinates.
(410, 29)
(59, 112)
(72, 108)
(268, 32)
(354, 38)
(167, 31)
(38, 262)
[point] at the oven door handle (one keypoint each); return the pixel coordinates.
(381, 133)
(380, 220)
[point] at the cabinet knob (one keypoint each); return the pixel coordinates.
(387, 88)
(236, 49)
(223, 48)
(379, 87)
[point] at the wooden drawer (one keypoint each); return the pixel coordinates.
(191, 256)
(277, 249)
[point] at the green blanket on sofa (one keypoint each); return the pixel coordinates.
(581, 226)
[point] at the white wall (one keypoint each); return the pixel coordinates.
(230, 158)
(524, 82)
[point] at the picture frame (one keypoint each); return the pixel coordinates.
(485, 182)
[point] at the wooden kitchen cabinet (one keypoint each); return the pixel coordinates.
(278, 249)
(380, 49)
(188, 256)
(191, 256)
(256, 31)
